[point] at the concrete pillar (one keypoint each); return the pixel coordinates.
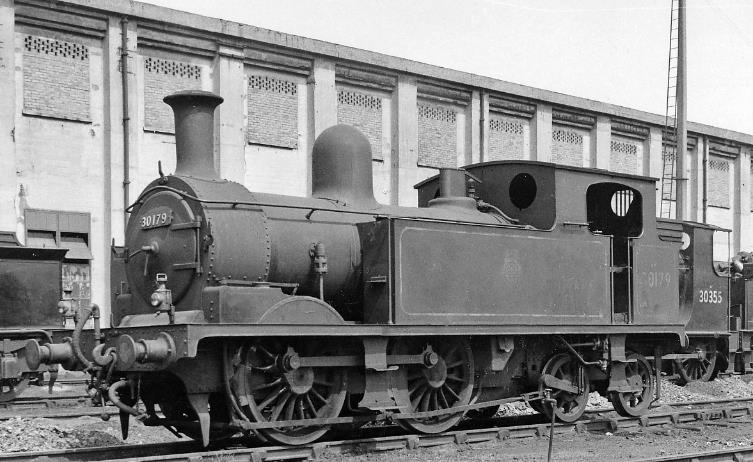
(8, 182)
(473, 129)
(324, 96)
(230, 142)
(322, 104)
(601, 143)
(404, 169)
(697, 181)
(113, 118)
(484, 123)
(115, 182)
(742, 219)
(541, 133)
(653, 161)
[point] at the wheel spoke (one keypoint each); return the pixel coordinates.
(290, 407)
(434, 400)
(271, 398)
(266, 352)
(425, 398)
(267, 385)
(318, 396)
(310, 405)
(452, 392)
(443, 398)
(419, 388)
(299, 408)
(415, 401)
(322, 382)
(275, 414)
(455, 378)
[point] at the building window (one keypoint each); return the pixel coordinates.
(363, 111)
(272, 111)
(56, 79)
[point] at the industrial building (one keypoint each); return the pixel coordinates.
(83, 125)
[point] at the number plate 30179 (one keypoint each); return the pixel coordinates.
(161, 216)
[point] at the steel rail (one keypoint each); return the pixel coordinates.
(191, 451)
(734, 455)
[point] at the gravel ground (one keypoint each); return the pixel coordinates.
(27, 434)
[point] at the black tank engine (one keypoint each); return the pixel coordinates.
(252, 312)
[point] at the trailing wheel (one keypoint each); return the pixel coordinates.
(568, 381)
(269, 387)
(638, 373)
(700, 369)
(444, 385)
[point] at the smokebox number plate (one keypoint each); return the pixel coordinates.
(161, 216)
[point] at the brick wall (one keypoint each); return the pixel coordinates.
(272, 111)
(507, 136)
(624, 153)
(718, 182)
(437, 136)
(568, 145)
(163, 77)
(363, 111)
(56, 79)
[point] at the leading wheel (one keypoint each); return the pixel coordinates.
(635, 403)
(269, 388)
(447, 384)
(562, 370)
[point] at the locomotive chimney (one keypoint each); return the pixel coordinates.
(194, 132)
(341, 167)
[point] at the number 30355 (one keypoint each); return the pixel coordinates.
(710, 296)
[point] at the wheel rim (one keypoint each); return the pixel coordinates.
(447, 384)
(635, 403)
(267, 391)
(569, 406)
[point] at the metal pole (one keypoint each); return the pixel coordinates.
(126, 118)
(682, 114)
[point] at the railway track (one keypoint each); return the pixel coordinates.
(732, 455)
(681, 416)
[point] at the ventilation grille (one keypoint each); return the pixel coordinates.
(263, 82)
(668, 154)
(56, 48)
(720, 165)
(174, 68)
(506, 126)
(624, 148)
(437, 113)
(564, 136)
(353, 98)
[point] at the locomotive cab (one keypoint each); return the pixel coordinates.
(599, 220)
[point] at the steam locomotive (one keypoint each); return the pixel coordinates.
(284, 316)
